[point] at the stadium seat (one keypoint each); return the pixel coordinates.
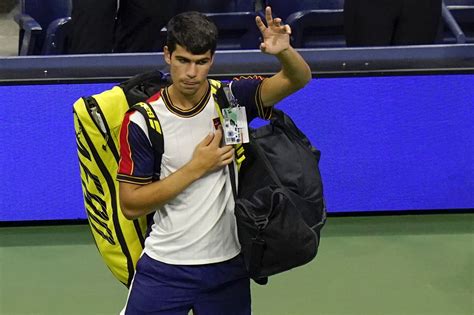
(34, 19)
(284, 8)
(234, 19)
(314, 23)
(236, 30)
(317, 28)
(56, 39)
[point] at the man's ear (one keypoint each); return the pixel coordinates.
(167, 54)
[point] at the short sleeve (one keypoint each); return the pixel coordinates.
(247, 92)
(136, 163)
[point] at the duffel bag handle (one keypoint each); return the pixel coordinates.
(280, 118)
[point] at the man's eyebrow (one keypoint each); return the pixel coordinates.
(181, 57)
(197, 60)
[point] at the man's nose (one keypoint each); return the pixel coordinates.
(191, 70)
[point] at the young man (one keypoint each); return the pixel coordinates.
(191, 258)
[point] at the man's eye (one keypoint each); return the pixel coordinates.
(202, 62)
(182, 60)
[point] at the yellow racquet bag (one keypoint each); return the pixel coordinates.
(97, 122)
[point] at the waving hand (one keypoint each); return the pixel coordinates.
(276, 37)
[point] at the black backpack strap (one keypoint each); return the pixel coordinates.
(258, 244)
(141, 86)
(154, 132)
(223, 102)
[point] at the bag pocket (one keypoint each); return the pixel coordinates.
(273, 239)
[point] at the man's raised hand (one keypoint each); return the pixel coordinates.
(275, 37)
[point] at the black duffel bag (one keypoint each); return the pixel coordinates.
(280, 208)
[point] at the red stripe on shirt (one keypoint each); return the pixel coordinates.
(126, 162)
(154, 97)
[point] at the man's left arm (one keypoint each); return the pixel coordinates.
(294, 73)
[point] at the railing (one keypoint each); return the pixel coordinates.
(323, 62)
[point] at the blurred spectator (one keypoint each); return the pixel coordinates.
(391, 22)
(118, 25)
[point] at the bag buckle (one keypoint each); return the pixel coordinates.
(261, 222)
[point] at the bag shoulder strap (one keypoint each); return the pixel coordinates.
(218, 90)
(143, 85)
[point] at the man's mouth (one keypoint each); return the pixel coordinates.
(190, 83)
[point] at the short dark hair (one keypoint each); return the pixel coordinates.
(192, 30)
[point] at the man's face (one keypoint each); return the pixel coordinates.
(188, 71)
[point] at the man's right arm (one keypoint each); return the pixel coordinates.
(137, 200)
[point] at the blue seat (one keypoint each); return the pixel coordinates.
(284, 8)
(314, 23)
(56, 38)
(237, 30)
(34, 19)
(317, 28)
(234, 19)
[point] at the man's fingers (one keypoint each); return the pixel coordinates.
(228, 156)
(227, 150)
(207, 139)
(261, 26)
(227, 161)
(268, 16)
(216, 141)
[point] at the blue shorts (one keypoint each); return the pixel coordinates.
(213, 289)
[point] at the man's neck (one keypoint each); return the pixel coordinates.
(183, 101)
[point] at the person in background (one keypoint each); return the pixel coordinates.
(191, 259)
(391, 22)
(119, 26)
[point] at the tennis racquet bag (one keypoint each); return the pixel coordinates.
(97, 122)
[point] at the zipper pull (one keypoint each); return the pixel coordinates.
(98, 119)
